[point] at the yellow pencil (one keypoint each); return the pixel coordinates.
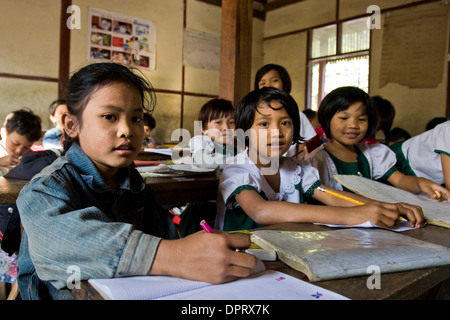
(348, 199)
(340, 196)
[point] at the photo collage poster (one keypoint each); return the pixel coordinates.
(123, 39)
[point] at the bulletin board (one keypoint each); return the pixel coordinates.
(414, 46)
(120, 38)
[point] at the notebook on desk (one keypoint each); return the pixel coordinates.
(436, 213)
(267, 285)
(345, 253)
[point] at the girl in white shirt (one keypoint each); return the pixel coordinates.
(262, 187)
(347, 115)
(215, 145)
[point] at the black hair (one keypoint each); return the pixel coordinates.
(214, 109)
(86, 81)
(284, 75)
(386, 114)
(149, 121)
(25, 123)
(52, 107)
(434, 122)
(244, 113)
(396, 134)
(310, 114)
(341, 99)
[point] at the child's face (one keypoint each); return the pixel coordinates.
(17, 144)
(112, 127)
(349, 126)
(147, 131)
(221, 130)
(59, 111)
(271, 79)
(272, 131)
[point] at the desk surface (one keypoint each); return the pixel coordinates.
(399, 285)
(166, 190)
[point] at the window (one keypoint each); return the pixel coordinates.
(336, 63)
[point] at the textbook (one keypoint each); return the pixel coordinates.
(436, 212)
(344, 253)
(266, 285)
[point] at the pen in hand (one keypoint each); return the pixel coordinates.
(206, 227)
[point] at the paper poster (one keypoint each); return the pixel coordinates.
(414, 47)
(120, 38)
(201, 50)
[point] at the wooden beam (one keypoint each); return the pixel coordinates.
(236, 49)
(64, 49)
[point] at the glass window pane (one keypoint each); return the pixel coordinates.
(324, 42)
(355, 35)
(347, 72)
(315, 86)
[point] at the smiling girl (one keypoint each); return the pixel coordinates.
(262, 187)
(91, 209)
(347, 115)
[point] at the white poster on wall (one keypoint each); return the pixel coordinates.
(120, 38)
(201, 50)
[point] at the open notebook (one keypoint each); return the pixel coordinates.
(344, 253)
(267, 285)
(436, 213)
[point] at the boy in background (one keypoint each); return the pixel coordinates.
(21, 129)
(52, 138)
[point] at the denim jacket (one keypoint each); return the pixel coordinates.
(74, 222)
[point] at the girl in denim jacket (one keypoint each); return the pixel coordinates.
(90, 211)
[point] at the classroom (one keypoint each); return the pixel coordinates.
(193, 51)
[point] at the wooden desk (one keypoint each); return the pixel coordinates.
(9, 189)
(415, 284)
(184, 189)
(166, 190)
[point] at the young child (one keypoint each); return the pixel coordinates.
(90, 210)
(276, 76)
(347, 116)
(216, 144)
(21, 129)
(52, 137)
(426, 155)
(253, 192)
(149, 125)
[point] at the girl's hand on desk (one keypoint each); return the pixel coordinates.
(434, 190)
(385, 214)
(205, 257)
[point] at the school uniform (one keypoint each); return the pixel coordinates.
(297, 183)
(374, 161)
(421, 155)
(206, 153)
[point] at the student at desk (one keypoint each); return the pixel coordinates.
(90, 207)
(21, 129)
(347, 115)
(426, 155)
(216, 143)
(261, 186)
(149, 125)
(276, 76)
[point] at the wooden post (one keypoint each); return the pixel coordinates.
(236, 49)
(64, 50)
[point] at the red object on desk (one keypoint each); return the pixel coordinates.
(142, 163)
(37, 147)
